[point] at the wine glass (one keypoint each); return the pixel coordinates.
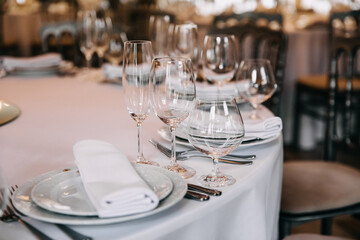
(259, 82)
(159, 33)
(114, 53)
(135, 81)
(185, 43)
(4, 193)
(173, 86)
(102, 32)
(215, 127)
(86, 22)
(220, 58)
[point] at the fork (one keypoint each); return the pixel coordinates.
(183, 155)
(67, 230)
(9, 215)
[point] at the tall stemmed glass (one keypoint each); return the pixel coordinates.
(4, 193)
(220, 58)
(259, 80)
(135, 80)
(86, 23)
(102, 33)
(216, 128)
(173, 86)
(185, 43)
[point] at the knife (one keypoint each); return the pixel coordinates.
(196, 196)
(210, 191)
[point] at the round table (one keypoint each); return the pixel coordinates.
(56, 112)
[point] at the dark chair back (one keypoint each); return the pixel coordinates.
(260, 35)
(344, 51)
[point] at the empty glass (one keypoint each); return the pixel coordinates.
(259, 82)
(159, 33)
(135, 80)
(215, 127)
(185, 43)
(86, 23)
(102, 33)
(114, 53)
(173, 86)
(220, 58)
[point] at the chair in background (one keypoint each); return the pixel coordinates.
(62, 38)
(260, 35)
(311, 91)
(314, 190)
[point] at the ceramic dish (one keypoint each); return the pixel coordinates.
(64, 192)
(23, 203)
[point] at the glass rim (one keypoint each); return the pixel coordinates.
(219, 35)
(220, 97)
(255, 60)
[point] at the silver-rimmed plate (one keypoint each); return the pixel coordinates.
(23, 203)
(64, 192)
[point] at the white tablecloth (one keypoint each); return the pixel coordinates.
(57, 112)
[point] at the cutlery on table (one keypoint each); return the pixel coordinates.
(210, 191)
(244, 142)
(196, 196)
(67, 230)
(9, 215)
(183, 155)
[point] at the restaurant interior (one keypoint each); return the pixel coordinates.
(72, 81)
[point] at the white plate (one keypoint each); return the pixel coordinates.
(64, 192)
(23, 203)
(8, 112)
(164, 133)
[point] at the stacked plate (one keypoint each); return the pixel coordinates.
(59, 196)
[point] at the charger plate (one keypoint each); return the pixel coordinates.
(8, 112)
(23, 203)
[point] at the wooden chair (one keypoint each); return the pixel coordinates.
(318, 189)
(260, 35)
(311, 91)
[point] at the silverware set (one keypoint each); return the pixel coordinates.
(184, 155)
(11, 215)
(200, 193)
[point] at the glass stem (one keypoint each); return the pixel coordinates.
(215, 171)
(140, 155)
(173, 143)
(253, 112)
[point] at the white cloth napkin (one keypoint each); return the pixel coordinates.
(112, 72)
(230, 89)
(111, 182)
(270, 127)
(40, 61)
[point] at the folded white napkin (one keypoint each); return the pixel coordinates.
(230, 89)
(112, 72)
(111, 182)
(259, 128)
(40, 61)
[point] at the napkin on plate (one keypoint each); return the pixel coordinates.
(230, 89)
(40, 61)
(259, 128)
(111, 182)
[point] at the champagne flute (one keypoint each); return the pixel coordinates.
(86, 21)
(259, 82)
(220, 58)
(135, 80)
(173, 86)
(4, 193)
(159, 33)
(216, 128)
(185, 43)
(102, 32)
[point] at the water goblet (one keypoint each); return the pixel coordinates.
(159, 33)
(185, 43)
(114, 53)
(135, 81)
(259, 82)
(173, 86)
(215, 127)
(220, 58)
